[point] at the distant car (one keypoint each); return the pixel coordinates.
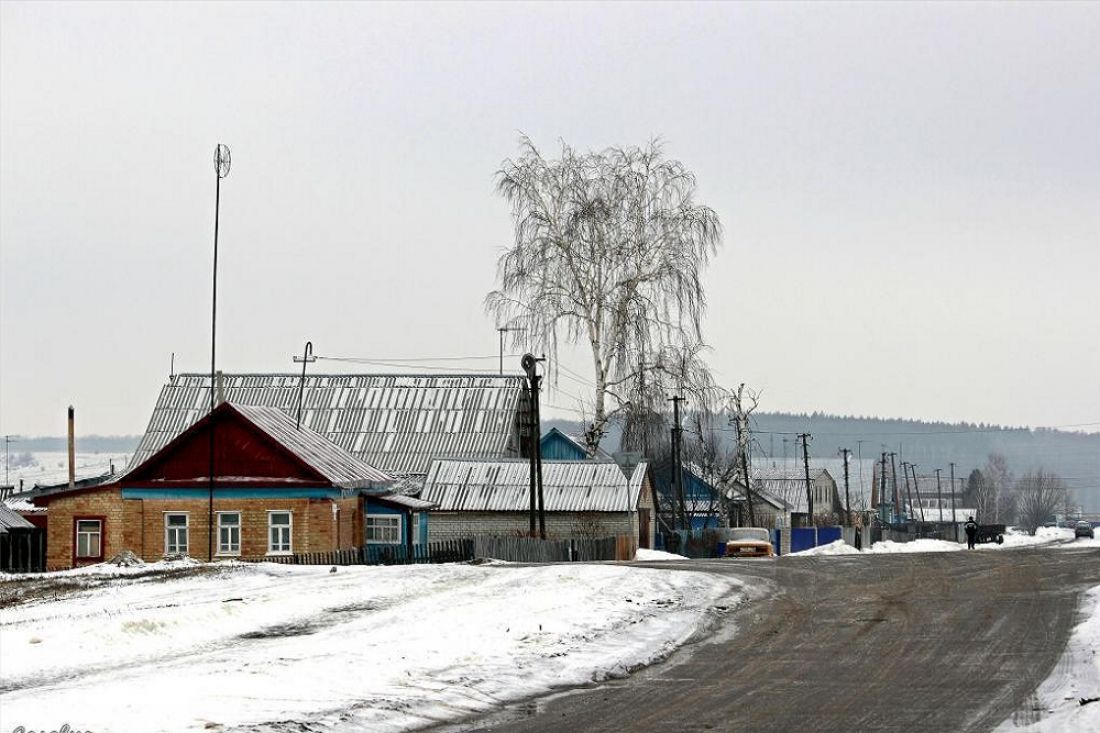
(749, 542)
(1083, 529)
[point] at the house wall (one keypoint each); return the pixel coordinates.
(559, 525)
(138, 524)
(104, 504)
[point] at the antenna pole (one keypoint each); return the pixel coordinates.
(221, 170)
(307, 358)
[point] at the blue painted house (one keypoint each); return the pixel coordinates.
(557, 446)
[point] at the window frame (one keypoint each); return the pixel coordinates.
(77, 519)
(388, 518)
(218, 528)
(186, 532)
(289, 535)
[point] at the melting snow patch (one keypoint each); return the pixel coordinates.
(839, 547)
(651, 555)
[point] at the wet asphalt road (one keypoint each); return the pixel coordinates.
(908, 642)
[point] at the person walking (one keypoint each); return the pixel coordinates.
(971, 528)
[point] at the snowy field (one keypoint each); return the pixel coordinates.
(46, 467)
(254, 647)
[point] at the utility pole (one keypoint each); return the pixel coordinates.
(7, 457)
(677, 467)
(882, 484)
(306, 358)
(939, 495)
(908, 491)
(894, 473)
(742, 455)
(530, 365)
(954, 522)
(806, 467)
(916, 487)
(847, 498)
(221, 170)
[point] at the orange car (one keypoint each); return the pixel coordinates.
(749, 542)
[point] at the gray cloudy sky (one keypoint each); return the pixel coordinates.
(910, 193)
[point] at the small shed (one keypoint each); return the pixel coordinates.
(583, 499)
(22, 545)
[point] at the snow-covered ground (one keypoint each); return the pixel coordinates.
(1053, 536)
(1069, 700)
(370, 648)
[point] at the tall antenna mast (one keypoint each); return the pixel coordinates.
(221, 170)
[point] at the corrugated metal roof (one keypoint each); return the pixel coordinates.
(335, 464)
(503, 486)
(409, 502)
(397, 423)
(10, 520)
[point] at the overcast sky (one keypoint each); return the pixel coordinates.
(910, 193)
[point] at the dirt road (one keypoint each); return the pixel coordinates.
(908, 642)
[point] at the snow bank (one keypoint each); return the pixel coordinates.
(365, 648)
(1043, 536)
(917, 546)
(839, 547)
(651, 555)
(1076, 678)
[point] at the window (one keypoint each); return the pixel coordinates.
(278, 532)
(89, 538)
(229, 533)
(384, 529)
(175, 534)
(414, 527)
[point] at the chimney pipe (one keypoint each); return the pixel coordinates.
(72, 448)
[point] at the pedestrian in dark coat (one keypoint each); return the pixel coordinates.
(971, 528)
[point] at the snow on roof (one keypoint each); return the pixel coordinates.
(23, 505)
(398, 423)
(10, 520)
(409, 502)
(503, 486)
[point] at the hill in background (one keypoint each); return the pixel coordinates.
(1075, 456)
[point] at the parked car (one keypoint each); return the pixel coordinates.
(1083, 529)
(749, 542)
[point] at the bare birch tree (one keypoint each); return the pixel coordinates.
(1040, 495)
(608, 252)
(741, 405)
(999, 487)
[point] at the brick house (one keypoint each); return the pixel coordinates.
(278, 490)
(583, 499)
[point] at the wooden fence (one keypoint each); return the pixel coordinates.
(23, 550)
(434, 552)
(529, 549)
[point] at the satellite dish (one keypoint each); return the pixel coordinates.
(221, 160)
(527, 362)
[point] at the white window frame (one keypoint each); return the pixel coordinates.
(414, 527)
(289, 527)
(186, 533)
(221, 548)
(98, 533)
(388, 518)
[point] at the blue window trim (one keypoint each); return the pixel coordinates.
(251, 493)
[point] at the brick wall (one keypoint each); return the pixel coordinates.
(104, 504)
(138, 524)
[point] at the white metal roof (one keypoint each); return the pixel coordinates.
(397, 423)
(503, 486)
(10, 520)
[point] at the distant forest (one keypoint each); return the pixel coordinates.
(1074, 456)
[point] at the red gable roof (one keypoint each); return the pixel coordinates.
(253, 446)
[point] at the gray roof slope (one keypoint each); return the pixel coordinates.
(503, 486)
(335, 464)
(10, 520)
(397, 423)
(861, 473)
